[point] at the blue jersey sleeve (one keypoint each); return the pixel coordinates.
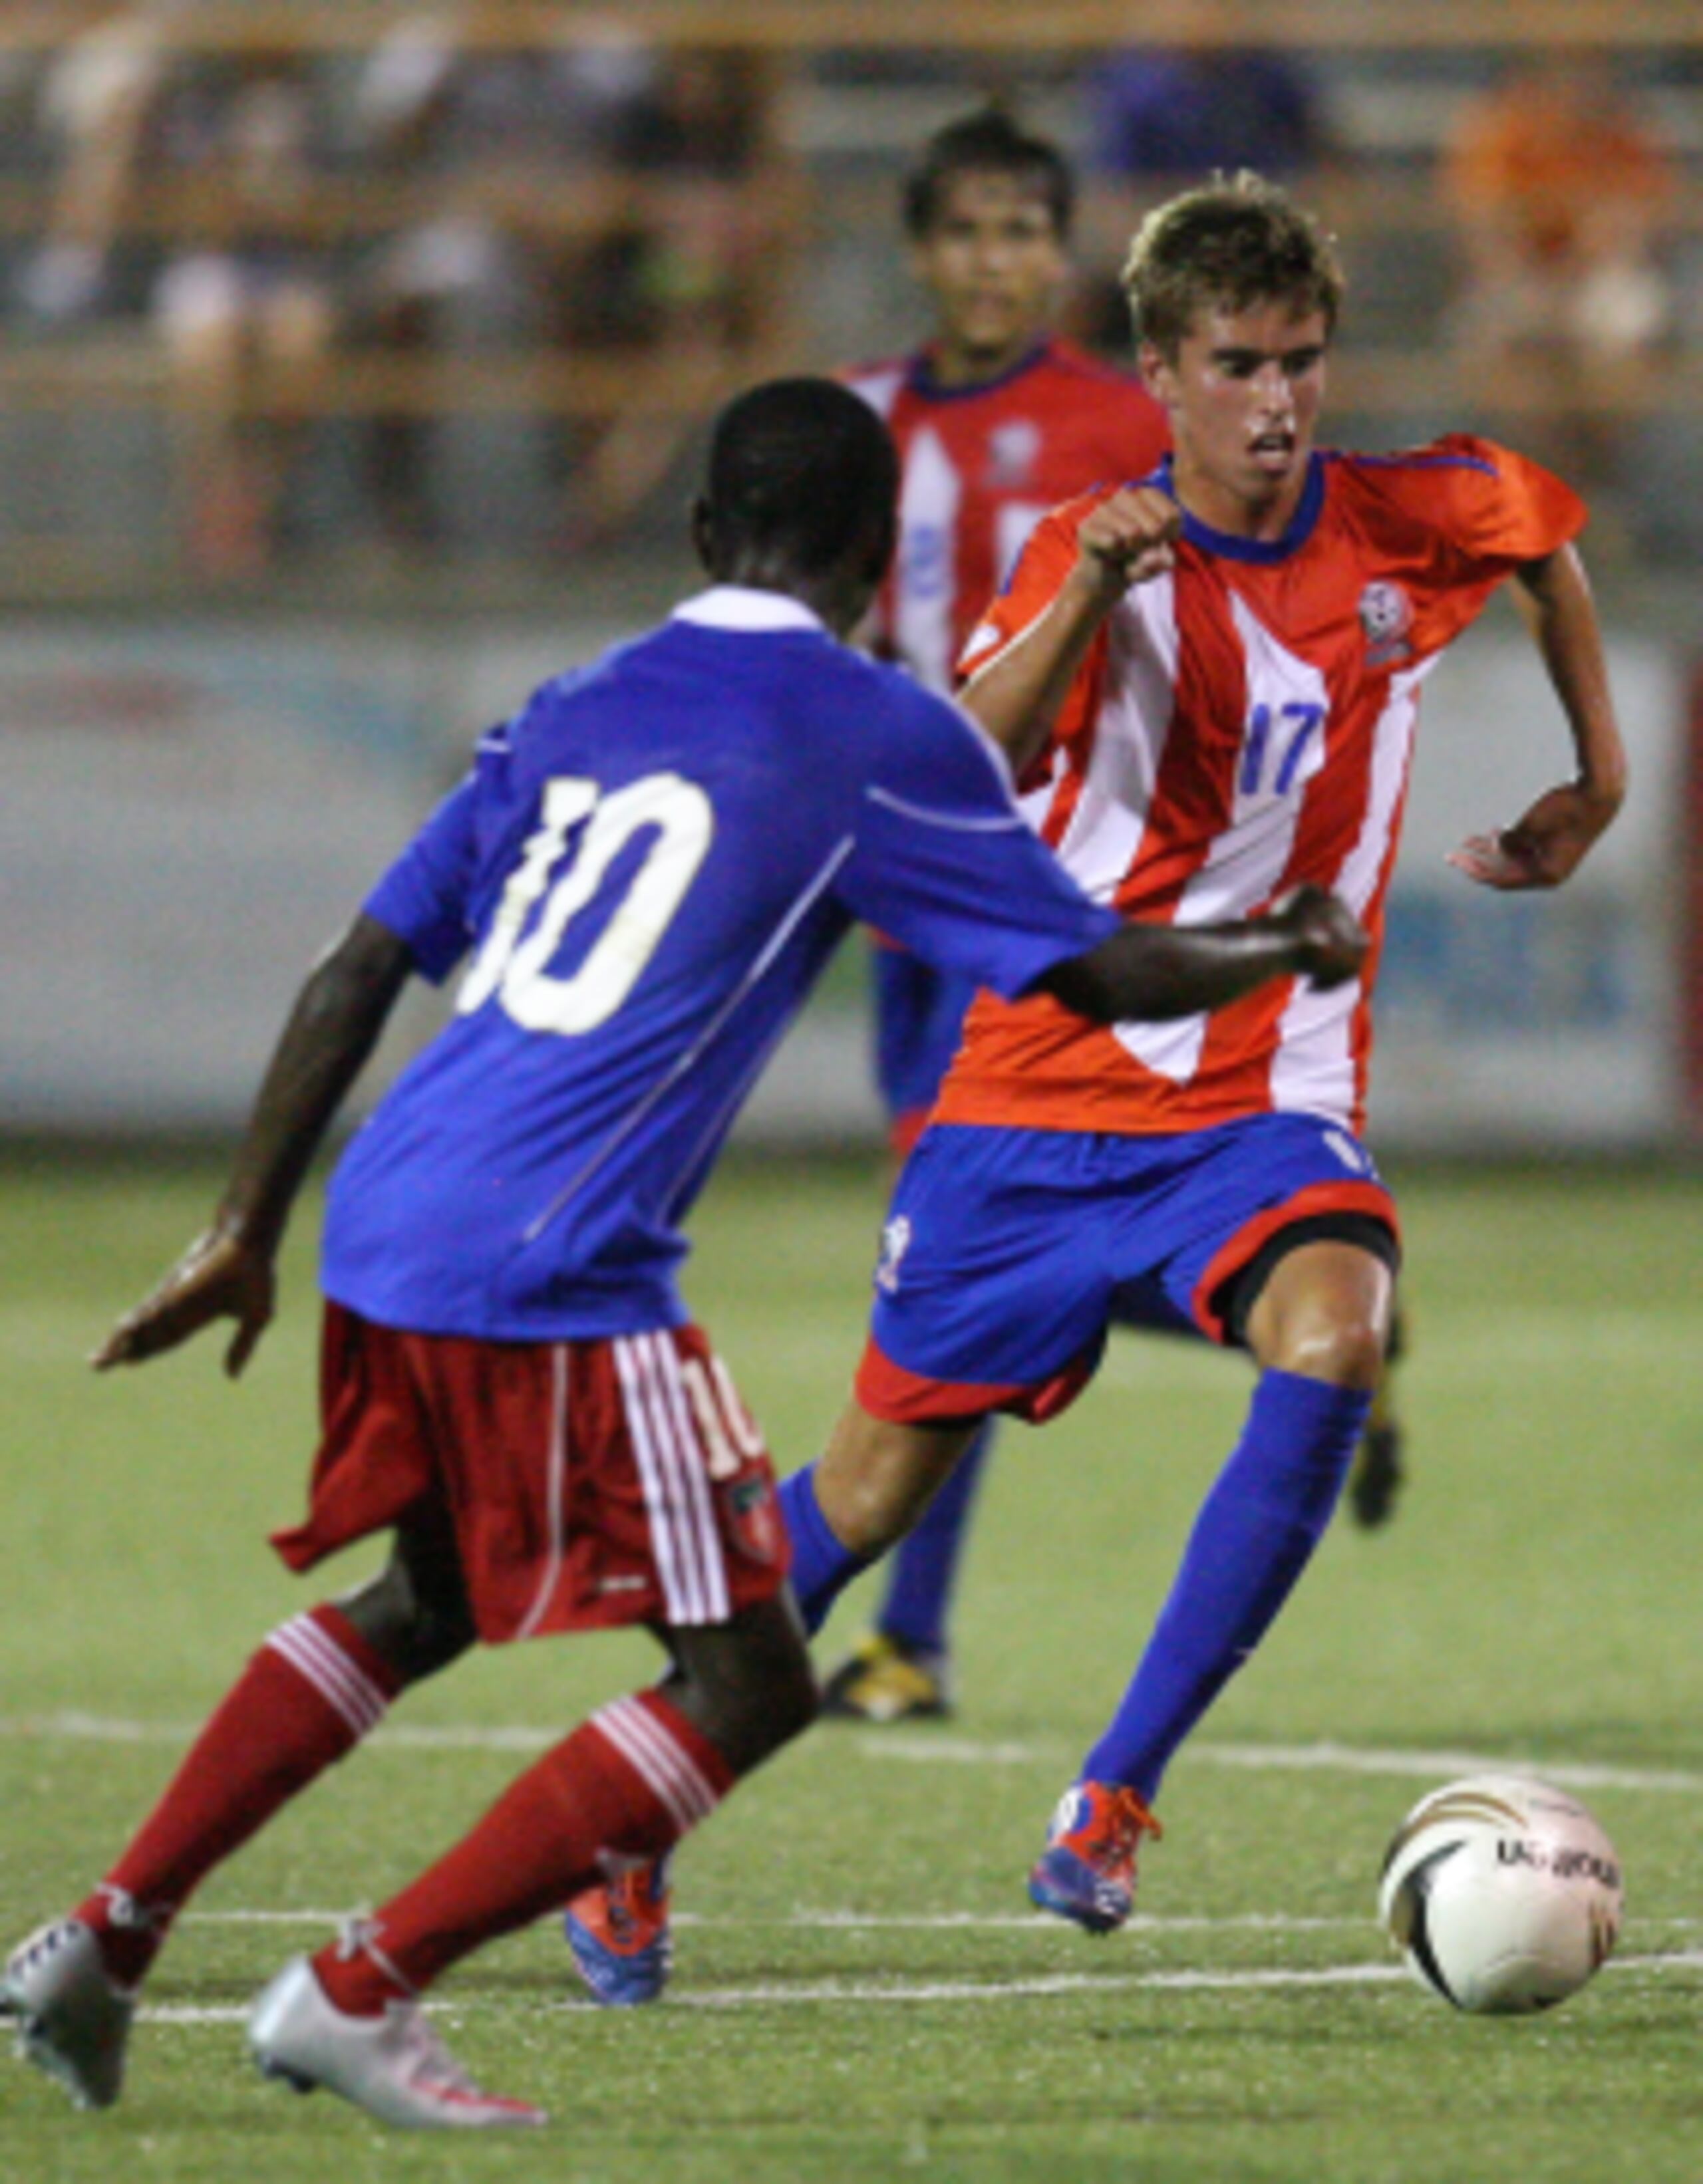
(423, 898)
(946, 863)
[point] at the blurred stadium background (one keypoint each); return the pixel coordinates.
(353, 362)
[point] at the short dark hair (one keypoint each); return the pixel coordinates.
(803, 468)
(1233, 242)
(987, 142)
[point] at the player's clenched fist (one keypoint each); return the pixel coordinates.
(1332, 941)
(1129, 536)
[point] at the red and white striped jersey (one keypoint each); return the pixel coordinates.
(981, 466)
(1241, 724)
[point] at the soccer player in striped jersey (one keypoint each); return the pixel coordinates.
(511, 1386)
(1208, 682)
(998, 419)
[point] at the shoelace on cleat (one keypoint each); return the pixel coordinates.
(1135, 1819)
(1125, 1820)
(430, 2065)
(630, 1908)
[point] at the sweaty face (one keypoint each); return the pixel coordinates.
(1242, 395)
(994, 267)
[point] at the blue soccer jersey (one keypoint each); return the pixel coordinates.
(644, 873)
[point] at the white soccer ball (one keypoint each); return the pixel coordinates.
(1503, 1895)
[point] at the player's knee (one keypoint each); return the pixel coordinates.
(1343, 1348)
(1324, 1314)
(789, 1706)
(750, 1685)
(869, 1515)
(416, 1631)
(876, 1479)
(782, 1706)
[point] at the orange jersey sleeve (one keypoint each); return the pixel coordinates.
(1454, 519)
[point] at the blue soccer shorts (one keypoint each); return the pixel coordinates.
(1008, 1253)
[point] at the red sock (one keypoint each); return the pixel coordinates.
(627, 1783)
(308, 1696)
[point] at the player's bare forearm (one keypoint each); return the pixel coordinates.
(1546, 844)
(227, 1273)
(1017, 696)
(1564, 625)
(331, 1032)
(1130, 537)
(1151, 972)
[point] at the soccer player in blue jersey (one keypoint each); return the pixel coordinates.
(640, 878)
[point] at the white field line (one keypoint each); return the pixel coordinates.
(865, 1993)
(1324, 1757)
(930, 1749)
(945, 1922)
(1350, 1759)
(960, 1922)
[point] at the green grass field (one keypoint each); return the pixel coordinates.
(860, 1992)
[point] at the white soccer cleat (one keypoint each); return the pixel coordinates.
(395, 2066)
(73, 2022)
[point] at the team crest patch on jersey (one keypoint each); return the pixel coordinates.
(1012, 452)
(896, 1241)
(1386, 618)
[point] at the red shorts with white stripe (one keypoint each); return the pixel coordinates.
(588, 1484)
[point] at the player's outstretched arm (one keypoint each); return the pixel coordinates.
(227, 1272)
(1153, 971)
(1130, 537)
(1548, 843)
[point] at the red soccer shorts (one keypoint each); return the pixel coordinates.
(590, 1484)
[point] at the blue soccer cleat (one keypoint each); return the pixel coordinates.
(618, 1932)
(1088, 1871)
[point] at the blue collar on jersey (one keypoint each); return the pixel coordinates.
(743, 607)
(1229, 546)
(920, 375)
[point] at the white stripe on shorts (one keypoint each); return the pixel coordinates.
(683, 1538)
(671, 1773)
(686, 1438)
(319, 1660)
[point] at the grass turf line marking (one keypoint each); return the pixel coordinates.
(1035, 1922)
(865, 1991)
(1325, 1757)
(947, 1922)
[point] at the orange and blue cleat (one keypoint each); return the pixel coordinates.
(1088, 1871)
(618, 1932)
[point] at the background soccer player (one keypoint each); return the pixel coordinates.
(511, 1386)
(998, 419)
(1210, 684)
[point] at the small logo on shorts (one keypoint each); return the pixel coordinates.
(1347, 1152)
(896, 1241)
(752, 1517)
(1386, 618)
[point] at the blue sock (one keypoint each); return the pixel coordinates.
(1257, 1528)
(919, 1592)
(822, 1567)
